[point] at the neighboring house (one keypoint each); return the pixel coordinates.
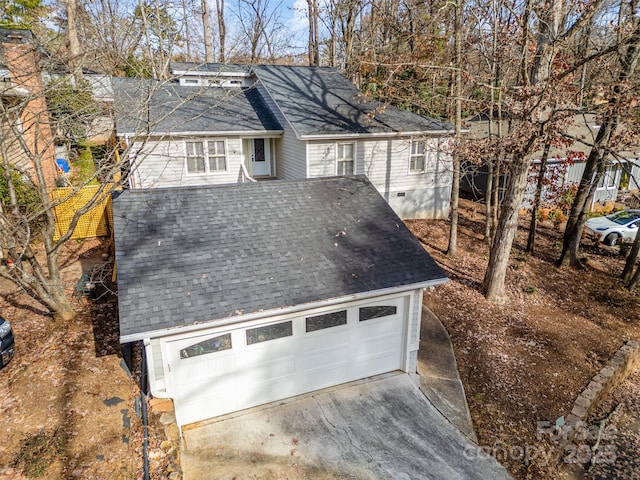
(561, 173)
(634, 177)
(218, 124)
(250, 293)
(25, 125)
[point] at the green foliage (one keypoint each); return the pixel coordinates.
(84, 168)
(137, 68)
(20, 13)
(72, 107)
(160, 25)
(38, 451)
(26, 193)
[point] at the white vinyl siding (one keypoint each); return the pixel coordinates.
(290, 152)
(164, 164)
(386, 164)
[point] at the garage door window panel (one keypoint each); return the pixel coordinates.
(211, 345)
(327, 320)
(269, 332)
(378, 311)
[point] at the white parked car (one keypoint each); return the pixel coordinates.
(619, 226)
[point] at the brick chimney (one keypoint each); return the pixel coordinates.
(20, 61)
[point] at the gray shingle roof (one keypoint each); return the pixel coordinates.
(192, 255)
(322, 101)
(183, 109)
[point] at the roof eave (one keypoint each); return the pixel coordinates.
(208, 73)
(239, 133)
(377, 135)
(134, 337)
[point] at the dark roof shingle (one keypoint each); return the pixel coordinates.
(322, 101)
(145, 106)
(192, 255)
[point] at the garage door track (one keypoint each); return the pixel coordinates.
(383, 428)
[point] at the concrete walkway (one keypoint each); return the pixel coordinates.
(383, 428)
(439, 377)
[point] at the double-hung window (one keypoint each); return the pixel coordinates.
(345, 158)
(206, 157)
(417, 159)
(217, 156)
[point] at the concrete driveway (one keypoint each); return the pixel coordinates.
(383, 428)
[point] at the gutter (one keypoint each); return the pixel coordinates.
(378, 135)
(205, 133)
(206, 73)
(146, 336)
(145, 420)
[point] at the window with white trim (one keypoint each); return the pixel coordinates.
(345, 158)
(417, 158)
(212, 159)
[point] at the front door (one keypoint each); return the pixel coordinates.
(261, 158)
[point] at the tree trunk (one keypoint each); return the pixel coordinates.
(531, 240)
(206, 30)
(632, 258)
(597, 156)
(488, 195)
(633, 283)
(75, 60)
(452, 250)
(593, 170)
(222, 29)
(494, 278)
(314, 50)
(496, 195)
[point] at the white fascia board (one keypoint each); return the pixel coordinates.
(170, 135)
(279, 311)
(351, 136)
(202, 73)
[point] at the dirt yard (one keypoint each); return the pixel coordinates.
(68, 408)
(527, 360)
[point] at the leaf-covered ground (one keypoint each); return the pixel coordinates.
(526, 361)
(66, 400)
(68, 408)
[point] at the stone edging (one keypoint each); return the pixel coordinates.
(625, 361)
(169, 447)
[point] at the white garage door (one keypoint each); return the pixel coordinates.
(231, 370)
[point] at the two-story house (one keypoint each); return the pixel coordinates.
(220, 124)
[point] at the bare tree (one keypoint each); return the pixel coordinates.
(537, 100)
(222, 29)
(452, 249)
(314, 47)
(261, 33)
(208, 39)
(620, 93)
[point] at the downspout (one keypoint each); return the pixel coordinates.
(145, 419)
